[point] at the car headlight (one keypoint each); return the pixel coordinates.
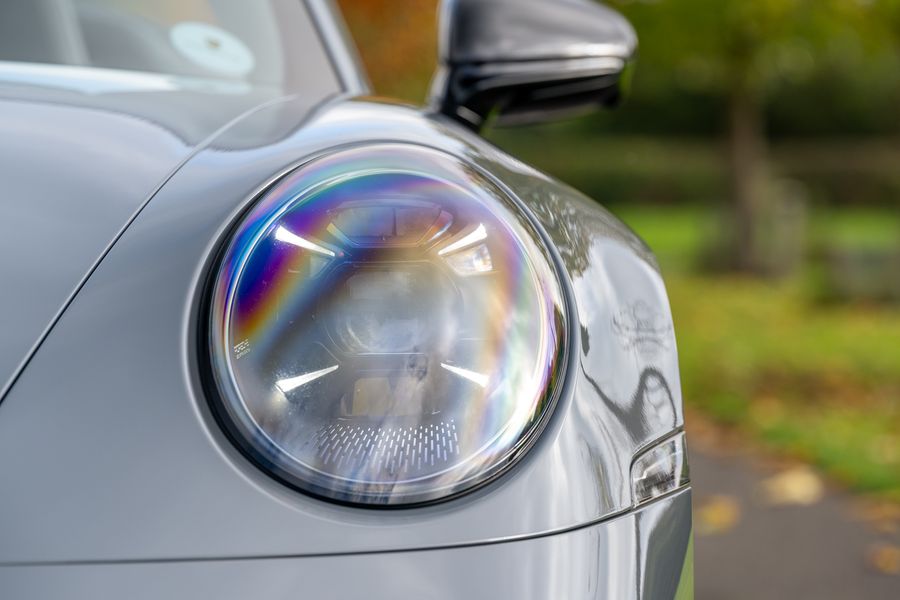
(386, 327)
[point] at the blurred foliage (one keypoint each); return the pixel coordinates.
(821, 67)
(739, 57)
(398, 43)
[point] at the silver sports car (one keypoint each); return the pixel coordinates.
(265, 337)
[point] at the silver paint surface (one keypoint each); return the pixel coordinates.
(597, 562)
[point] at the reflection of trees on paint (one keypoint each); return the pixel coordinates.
(652, 391)
(574, 226)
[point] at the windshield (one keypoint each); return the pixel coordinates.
(261, 42)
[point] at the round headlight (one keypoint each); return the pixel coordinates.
(387, 327)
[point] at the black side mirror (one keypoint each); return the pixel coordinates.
(522, 61)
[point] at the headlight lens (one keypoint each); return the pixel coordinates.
(386, 327)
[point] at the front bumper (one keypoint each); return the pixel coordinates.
(643, 554)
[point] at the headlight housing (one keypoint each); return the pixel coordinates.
(386, 327)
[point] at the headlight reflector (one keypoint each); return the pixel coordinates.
(386, 327)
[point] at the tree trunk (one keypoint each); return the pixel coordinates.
(747, 157)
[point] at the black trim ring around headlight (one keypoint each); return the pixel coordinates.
(385, 326)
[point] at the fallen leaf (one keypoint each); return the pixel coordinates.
(717, 514)
(885, 558)
(797, 486)
(882, 516)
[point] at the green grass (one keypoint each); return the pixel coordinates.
(677, 233)
(860, 228)
(820, 383)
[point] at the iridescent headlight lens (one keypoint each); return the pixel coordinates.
(387, 328)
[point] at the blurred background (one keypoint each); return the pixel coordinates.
(758, 153)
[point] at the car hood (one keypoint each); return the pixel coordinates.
(81, 151)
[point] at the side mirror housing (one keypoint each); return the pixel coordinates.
(523, 61)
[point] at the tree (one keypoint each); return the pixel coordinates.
(739, 51)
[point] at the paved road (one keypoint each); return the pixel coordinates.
(762, 534)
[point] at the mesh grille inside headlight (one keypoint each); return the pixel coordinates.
(387, 327)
